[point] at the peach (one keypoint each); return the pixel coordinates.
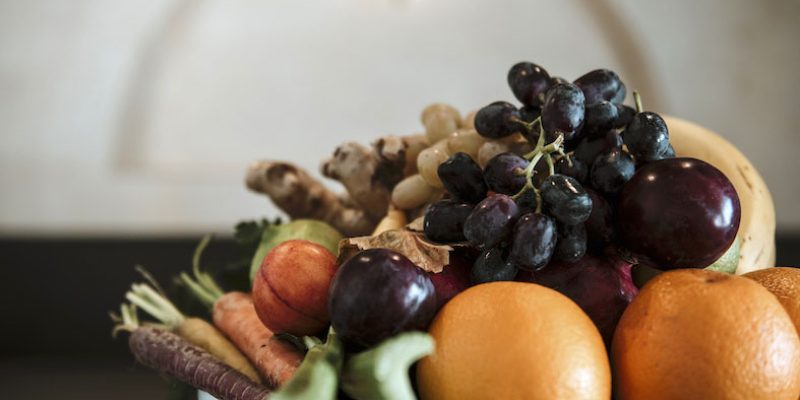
(290, 290)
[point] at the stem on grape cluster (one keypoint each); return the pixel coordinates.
(540, 151)
(637, 98)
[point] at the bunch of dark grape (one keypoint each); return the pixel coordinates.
(558, 201)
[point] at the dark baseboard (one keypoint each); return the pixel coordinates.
(57, 292)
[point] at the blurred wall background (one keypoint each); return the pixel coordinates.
(140, 117)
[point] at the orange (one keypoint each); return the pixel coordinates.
(784, 283)
(514, 340)
(696, 334)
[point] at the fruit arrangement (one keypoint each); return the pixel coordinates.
(570, 247)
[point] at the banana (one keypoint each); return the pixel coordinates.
(757, 226)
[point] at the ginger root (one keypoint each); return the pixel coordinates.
(298, 194)
(370, 173)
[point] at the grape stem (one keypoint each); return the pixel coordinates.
(637, 98)
(540, 151)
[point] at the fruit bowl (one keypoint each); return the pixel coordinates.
(757, 226)
(545, 250)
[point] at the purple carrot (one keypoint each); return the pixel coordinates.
(169, 353)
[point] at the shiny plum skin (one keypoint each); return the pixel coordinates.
(680, 212)
(377, 294)
(601, 286)
(600, 225)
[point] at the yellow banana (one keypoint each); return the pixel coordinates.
(757, 227)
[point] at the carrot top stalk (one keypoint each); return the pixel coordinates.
(234, 314)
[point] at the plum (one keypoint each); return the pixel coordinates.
(453, 279)
(602, 287)
(376, 294)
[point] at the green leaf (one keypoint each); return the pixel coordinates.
(317, 377)
(381, 373)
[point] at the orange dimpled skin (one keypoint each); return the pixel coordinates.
(514, 340)
(784, 283)
(697, 334)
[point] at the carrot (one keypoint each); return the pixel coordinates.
(195, 330)
(167, 352)
(235, 315)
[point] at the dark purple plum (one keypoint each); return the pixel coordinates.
(680, 212)
(491, 221)
(454, 277)
(462, 177)
(377, 294)
(534, 241)
(444, 221)
(601, 286)
(600, 225)
(563, 111)
(529, 82)
(601, 84)
(503, 173)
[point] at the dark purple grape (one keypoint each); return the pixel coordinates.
(529, 113)
(601, 84)
(492, 266)
(529, 82)
(681, 212)
(497, 120)
(491, 221)
(625, 117)
(646, 136)
(444, 221)
(600, 117)
(589, 148)
(600, 225)
(563, 111)
(565, 200)
(668, 153)
(377, 294)
(611, 170)
(571, 243)
(555, 80)
(503, 173)
(534, 241)
(527, 202)
(462, 177)
(572, 167)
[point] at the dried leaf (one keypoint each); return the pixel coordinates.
(416, 225)
(426, 255)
